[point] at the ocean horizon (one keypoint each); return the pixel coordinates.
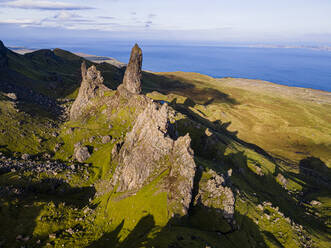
(297, 67)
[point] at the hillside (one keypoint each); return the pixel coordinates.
(93, 155)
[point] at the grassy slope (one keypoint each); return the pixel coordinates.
(27, 127)
(55, 73)
(290, 123)
(23, 132)
(264, 116)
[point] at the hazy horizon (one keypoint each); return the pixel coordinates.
(304, 22)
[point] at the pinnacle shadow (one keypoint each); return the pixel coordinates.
(166, 85)
(136, 238)
(181, 232)
(269, 190)
(267, 187)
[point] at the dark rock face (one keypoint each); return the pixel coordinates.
(148, 151)
(3, 56)
(133, 74)
(92, 86)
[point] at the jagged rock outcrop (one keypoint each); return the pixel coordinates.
(214, 193)
(92, 86)
(133, 73)
(3, 56)
(149, 150)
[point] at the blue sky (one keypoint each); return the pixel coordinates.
(232, 21)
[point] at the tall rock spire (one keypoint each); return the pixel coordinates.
(133, 75)
(92, 86)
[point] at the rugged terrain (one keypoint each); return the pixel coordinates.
(96, 155)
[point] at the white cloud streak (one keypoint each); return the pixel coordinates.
(43, 5)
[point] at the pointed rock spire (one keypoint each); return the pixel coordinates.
(133, 74)
(91, 87)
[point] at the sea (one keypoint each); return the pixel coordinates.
(300, 67)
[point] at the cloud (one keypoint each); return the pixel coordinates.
(151, 16)
(43, 5)
(106, 17)
(148, 23)
(64, 15)
(23, 23)
(20, 21)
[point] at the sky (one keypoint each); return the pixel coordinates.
(219, 21)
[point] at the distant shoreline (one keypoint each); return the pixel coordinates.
(327, 48)
(93, 58)
(290, 82)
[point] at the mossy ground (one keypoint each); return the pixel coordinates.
(229, 122)
(25, 130)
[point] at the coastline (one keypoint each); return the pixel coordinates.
(236, 81)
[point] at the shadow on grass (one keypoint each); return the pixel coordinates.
(23, 199)
(186, 231)
(210, 141)
(166, 85)
(136, 237)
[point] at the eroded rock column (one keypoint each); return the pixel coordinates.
(133, 73)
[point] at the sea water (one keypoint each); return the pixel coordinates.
(288, 66)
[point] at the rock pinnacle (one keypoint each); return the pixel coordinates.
(92, 86)
(132, 77)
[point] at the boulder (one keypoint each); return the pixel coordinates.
(12, 96)
(25, 156)
(282, 180)
(81, 153)
(106, 139)
(315, 203)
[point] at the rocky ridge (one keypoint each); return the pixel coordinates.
(142, 175)
(149, 150)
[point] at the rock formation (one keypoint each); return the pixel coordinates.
(81, 153)
(214, 193)
(133, 74)
(92, 86)
(3, 56)
(149, 150)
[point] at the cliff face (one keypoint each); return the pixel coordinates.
(148, 151)
(92, 86)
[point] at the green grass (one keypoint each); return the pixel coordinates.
(25, 133)
(233, 123)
